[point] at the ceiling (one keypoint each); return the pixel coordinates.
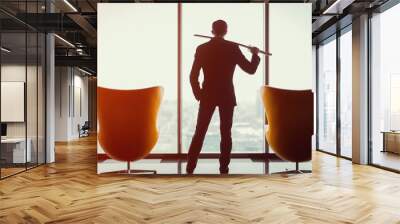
(76, 22)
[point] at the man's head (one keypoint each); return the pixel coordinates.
(219, 28)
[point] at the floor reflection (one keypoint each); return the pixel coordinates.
(204, 166)
(387, 159)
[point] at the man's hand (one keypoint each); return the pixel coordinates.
(254, 50)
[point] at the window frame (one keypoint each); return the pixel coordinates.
(334, 37)
(381, 9)
(26, 29)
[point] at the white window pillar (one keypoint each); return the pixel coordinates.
(360, 90)
(50, 92)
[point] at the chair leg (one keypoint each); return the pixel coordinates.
(133, 171)
(143, 171)
(296, 171)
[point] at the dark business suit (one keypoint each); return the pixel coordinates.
(218, 59)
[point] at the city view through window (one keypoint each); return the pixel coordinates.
(247, 130)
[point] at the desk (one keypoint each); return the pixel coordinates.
(391, 141)
(13, 150)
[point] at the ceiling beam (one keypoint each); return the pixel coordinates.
(84, 24)
(82, 61)
(337, 7)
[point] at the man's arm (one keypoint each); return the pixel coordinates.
(249, 66)
(194, 76)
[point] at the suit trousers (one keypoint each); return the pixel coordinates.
(206, 111)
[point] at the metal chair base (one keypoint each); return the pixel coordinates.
(296, 171)
(130, 171)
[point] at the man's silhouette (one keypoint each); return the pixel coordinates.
(218, 59)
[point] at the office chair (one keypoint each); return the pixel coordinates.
(84, 129)
(290, 116)
(128, 123)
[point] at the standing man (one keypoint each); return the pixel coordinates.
(218, 59)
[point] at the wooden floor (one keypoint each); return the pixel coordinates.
(70, 191)
(10, 171)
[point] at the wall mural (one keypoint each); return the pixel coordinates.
(179, 86)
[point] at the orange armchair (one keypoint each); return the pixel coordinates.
(290, 116)
(128, 122)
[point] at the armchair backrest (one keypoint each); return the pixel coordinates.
(128, 121)
(290, 116)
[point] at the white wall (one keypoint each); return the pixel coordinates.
(17, 73)
(33, 126)
(61, 103)
(71, 87)
(81, 97)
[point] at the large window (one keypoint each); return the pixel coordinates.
(291, 53)
(385, 89)
(346, 93)
(247, 130)
(327, 96)
(335, 73)
(141, 64)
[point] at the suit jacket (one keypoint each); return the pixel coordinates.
(218, 59)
